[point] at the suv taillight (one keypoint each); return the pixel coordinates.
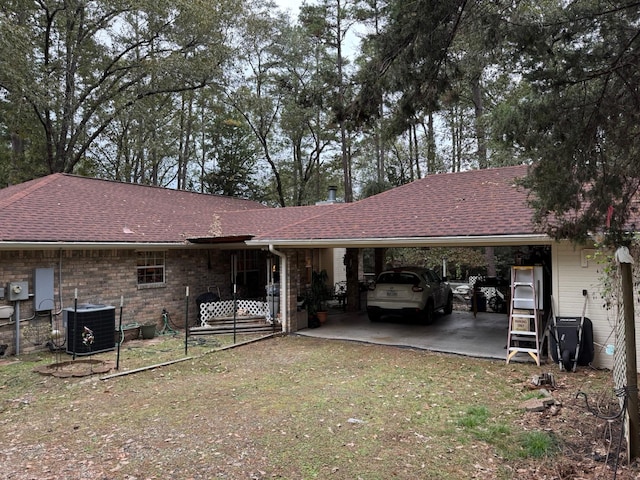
(417, 289)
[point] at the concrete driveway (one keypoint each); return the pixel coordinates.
(483, 336)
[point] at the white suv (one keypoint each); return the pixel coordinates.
(414, 291)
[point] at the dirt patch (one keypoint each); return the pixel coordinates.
(591, 447)
(297, 407)
(76, 368)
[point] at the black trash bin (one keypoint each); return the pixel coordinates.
(480, 300)
(206, 297)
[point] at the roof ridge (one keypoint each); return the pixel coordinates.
(156, 187)
(36, 185)
(432, 176)
(336, 207)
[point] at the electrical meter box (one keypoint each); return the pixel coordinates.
(18, 291)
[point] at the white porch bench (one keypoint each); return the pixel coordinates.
(218, 316)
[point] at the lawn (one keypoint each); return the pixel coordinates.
(297, 408)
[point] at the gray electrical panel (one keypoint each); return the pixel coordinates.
(43, 296)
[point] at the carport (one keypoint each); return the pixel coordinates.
(480, 208)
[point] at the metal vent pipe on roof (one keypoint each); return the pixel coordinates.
(332, 193)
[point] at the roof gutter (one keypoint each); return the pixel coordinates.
(31, 245)
(284, 281)
(462, 241)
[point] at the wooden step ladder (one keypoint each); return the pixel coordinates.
(524, 315)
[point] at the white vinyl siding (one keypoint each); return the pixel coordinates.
(574, 272)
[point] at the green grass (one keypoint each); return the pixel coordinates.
(477, 420)
(475, 416)
(538, 444)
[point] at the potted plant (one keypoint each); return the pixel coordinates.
(148, 330)
(317, 295)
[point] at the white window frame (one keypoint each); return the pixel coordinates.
(151, 268)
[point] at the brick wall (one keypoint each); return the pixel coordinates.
(102, 277)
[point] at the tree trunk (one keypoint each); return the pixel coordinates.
(416, 151)
(478, 103)
(378, 259)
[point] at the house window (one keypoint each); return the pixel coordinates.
(150, 266)
(248, 277)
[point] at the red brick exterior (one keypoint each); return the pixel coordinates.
(103, 276)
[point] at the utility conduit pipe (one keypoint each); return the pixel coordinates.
(284, 282)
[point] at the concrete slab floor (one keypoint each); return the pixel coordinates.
(482, 336)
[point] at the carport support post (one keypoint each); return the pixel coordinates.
(353, 284)
(631, 367)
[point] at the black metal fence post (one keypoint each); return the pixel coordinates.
(120, 333)
(186, 324)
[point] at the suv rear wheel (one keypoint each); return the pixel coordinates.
(428, 312)
(448, 308)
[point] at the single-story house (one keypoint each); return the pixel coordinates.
(150, 248)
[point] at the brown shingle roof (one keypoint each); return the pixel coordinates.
(260, 222)
(472, 203)
(69, 208)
